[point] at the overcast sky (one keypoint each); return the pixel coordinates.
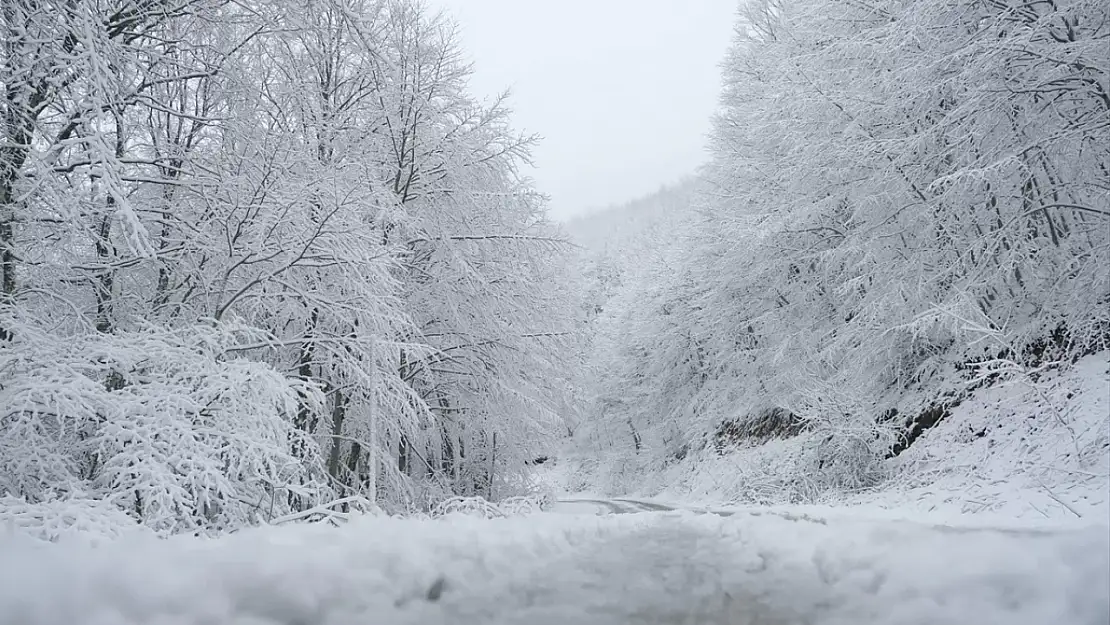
(620, 90)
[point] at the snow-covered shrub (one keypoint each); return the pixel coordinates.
(847, 444)
(335, 512)
(167, 426)
(842, 459)
(481, 507)
(71, 517)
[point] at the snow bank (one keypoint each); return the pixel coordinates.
(1024, 449)
(555, 569)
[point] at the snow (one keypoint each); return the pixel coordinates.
(1023, 450)
(1020, 450)
(581, 506)
(86, 520)
(918, 551)
(673, 567)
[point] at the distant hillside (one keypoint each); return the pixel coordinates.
(627, 225)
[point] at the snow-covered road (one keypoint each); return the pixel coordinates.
(572, 567)
(608, 506)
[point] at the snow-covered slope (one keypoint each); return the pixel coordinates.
(1026, 448)
(1035, 449)
(548, 569)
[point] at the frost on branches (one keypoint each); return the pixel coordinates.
(256, 259)
(899, 192)
(159, 423)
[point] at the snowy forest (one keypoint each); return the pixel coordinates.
(905, 202)
(262, 257)
(259, 257)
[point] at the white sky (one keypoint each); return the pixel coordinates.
(621, 90)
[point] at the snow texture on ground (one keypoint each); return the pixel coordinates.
(576, 567)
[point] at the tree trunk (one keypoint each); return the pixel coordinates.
(635, 436)
(338, 416)
(305, 420)
(403, 454)
(104, 281)
(492, 467)
(372, 426)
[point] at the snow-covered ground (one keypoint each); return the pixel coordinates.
(1020, 450)
(997, 515)
(570, 567)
